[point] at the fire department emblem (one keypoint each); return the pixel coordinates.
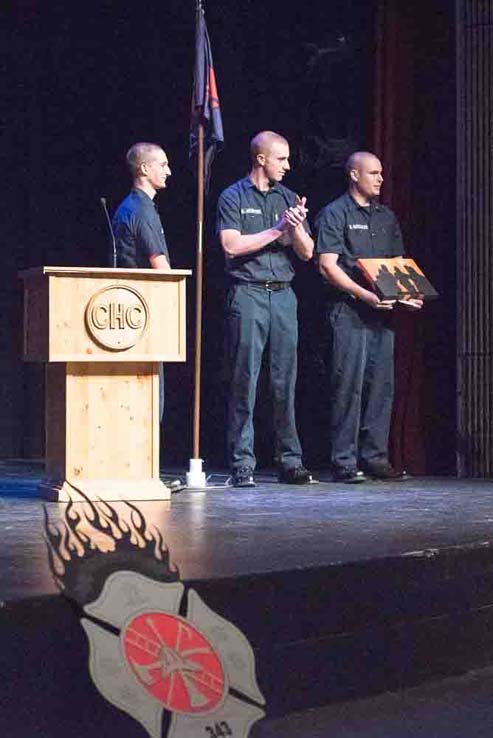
(156, 650)
(174, 662)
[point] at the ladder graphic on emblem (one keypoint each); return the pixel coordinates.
(174, 661)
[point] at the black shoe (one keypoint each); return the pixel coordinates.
(295, 475)
(350, 476)
(384, 471)
(243, 477)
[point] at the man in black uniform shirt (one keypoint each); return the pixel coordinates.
(139, 234)
(261, 225)
(362, 346)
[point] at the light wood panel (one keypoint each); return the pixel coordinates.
(101, 333)
(59, 301)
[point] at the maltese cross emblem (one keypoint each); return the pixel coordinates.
(146, 659)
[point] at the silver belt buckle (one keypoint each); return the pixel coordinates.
(268, 285)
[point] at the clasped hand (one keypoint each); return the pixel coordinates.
(293, 216)
(291, 219)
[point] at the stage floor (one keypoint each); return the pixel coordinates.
(367, 607)
(228, 532)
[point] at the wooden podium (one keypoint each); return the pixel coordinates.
(102, 333)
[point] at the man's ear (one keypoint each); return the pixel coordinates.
(353, 174)
(261, 159)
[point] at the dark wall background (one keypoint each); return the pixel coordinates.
(82, 84)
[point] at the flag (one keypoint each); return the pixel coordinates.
(205, 99)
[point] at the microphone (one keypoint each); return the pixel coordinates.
(102, 200)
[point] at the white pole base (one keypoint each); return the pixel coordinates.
(196, 477)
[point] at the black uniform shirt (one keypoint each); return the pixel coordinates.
(245, 208)
(354, 231)
(138, 231)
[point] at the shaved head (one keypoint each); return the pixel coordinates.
(262, 143)
(270, 159)
(360, 159)
(140, 153)
(364, 173)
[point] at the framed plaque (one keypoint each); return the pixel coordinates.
(398, 278)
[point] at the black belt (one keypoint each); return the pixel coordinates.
(269, 285)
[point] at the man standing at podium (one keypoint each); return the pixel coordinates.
(139, 233)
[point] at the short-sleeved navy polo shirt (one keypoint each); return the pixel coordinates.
(355, 231)
(138, 231)
(243, 207)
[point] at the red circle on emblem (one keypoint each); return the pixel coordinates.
(174, 662)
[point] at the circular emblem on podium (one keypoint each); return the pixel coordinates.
(116, 317)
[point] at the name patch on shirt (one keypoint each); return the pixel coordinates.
(251, 211)
(357, 227)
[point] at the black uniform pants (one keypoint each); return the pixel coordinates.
(258, 319)
(362, 383)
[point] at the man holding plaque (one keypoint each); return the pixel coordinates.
(352, 227)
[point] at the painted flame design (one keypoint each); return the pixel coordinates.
(92, 540)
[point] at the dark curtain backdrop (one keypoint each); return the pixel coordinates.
(82, 83)
(414, 134)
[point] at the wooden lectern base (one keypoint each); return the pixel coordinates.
(102, 432)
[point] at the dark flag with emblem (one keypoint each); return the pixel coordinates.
(205, 100)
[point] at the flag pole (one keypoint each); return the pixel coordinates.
(205, 112)
(198, 292)
(195, 477)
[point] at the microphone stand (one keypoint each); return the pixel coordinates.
(110, 230)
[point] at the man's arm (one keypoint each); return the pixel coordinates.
(151, 242)
(234, 243)
(330, 245)
(301, 241)
(159, 261)
(332, 272)
(290, 226)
